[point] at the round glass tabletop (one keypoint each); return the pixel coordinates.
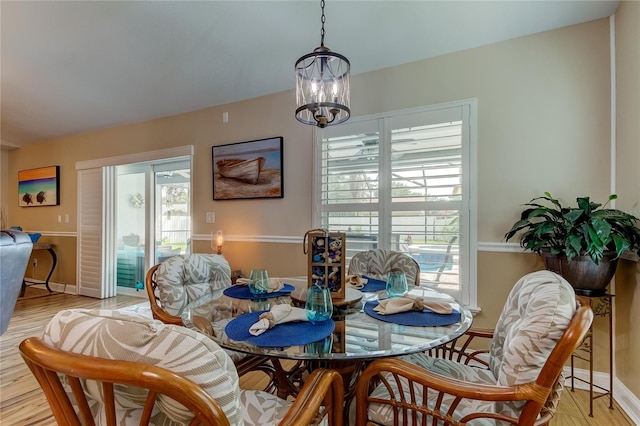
(356, 335)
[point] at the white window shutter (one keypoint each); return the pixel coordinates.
(397, 181)
(91, 276)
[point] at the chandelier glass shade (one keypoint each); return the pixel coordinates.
(322, 86)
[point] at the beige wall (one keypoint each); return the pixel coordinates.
(543, 125)
(627, 284)
(543, 105)
(4, 178)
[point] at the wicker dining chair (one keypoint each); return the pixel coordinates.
(179, 280)
(518, 380)
(377, 263)
(110, 367)
(171, 285)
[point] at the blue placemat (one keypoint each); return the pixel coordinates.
(287, 334)
(414, 318)
(373, 285)
(243, 292)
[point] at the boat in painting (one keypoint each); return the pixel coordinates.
(244, 170)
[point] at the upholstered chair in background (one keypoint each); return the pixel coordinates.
(172, 284)
(377, 263)
(517, 381)
(179, 280)
(123, 369)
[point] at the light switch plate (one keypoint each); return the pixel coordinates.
(211, 217)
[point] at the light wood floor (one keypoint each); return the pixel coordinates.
(23, 403)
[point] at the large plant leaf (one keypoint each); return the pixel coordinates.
(602, 228)
(621, 244)
(552, 200)
(594, 242)
(538, 212)
(573, 246)
(584, 205)
(573, 216)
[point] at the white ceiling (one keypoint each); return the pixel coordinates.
(69, 67)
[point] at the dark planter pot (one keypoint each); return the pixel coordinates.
(587, 278)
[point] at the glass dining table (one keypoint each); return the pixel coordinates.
(357, 337)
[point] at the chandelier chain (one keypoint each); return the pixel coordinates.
(322, 19)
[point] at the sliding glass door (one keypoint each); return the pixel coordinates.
(172, 210)
(126, 205)
(153, 218)
(131, 225)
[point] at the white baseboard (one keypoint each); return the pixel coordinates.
(627, 400)
(599, 379)
(58, 287)
(73, 289)
(621, 394)
(63, 288)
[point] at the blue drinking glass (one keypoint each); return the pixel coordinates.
(258, 281)
(319, 306)
(259, 305)
(396, 284)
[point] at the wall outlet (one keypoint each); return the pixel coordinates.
(210, 217)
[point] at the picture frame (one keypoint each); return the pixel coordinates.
(39, 187)
(245, 170)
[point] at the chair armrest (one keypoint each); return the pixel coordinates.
(323, 390)
(467, 355)
(162, 315)
(204, 325)
(486, 333)
(395, 374)
(459, 349)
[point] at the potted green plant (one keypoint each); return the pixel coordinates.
(581, 243)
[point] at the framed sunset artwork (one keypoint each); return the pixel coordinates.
(39, 187)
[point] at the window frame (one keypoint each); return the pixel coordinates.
(468, 210)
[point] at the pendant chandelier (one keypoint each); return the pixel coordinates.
(322, 85)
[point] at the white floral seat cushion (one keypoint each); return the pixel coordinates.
(127, 336)
(183, 279)
(535, 315)
(377, 263)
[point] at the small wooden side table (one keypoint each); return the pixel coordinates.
(49, 248)
(602, 307)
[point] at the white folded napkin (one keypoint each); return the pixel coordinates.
(275, 284)
(278, 314)
(403, 304)
(356, 280)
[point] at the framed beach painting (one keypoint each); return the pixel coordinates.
(39, 187)
(251, 169)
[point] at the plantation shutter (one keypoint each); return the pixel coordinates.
(397, 182)
(92, 270)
